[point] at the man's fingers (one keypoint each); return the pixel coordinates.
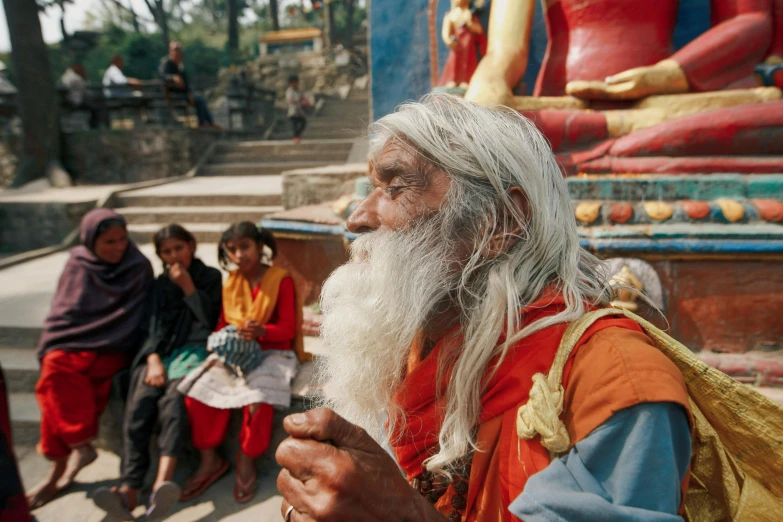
(294, 494)
(323, 424)
(303, 458)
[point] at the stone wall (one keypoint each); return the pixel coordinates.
(10, 147)
(31, 225)
(110, 157)
(100, 157)
(318, 185)
(731, 305)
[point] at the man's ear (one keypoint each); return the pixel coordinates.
(508, 229)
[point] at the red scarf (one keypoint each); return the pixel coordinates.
(508, 387)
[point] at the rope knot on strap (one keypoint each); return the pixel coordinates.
(541, 415)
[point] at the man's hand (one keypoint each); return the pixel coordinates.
(181, 277)
(333, 471)
(252, 331)
(156, 372)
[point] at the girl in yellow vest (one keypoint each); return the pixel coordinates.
(253, 361)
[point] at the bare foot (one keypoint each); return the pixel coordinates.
(246, 480)
(44, 492)
(246, 467)
(80, 458)
(205, 469)
(207, 472)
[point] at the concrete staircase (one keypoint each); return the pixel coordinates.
(21, 368)
(263, 158)
(205, 213)
(240, 181)
(338, 119)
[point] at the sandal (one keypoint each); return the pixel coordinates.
(198, 486)
(114, 502)
(244, 492)
(162, 500)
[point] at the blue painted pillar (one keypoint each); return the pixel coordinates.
(399, 53)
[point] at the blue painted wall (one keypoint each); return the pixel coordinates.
(399, 40)
(399, 59)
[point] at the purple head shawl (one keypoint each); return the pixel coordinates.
(98, 306)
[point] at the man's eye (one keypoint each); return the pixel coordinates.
(392, 190)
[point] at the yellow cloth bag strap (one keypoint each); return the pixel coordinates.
(541, 414)
(738, 433)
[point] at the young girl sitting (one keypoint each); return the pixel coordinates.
(186, 305)
(95, 325)
(254, 359)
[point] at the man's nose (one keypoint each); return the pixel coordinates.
(364, 218)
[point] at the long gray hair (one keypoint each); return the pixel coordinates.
(486, 152)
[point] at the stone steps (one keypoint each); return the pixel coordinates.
(273, 147)
(20, 365)
(256, 168)
(201, 200)
(195, 214)
(203, 232)
(21, 368)
(205, 192)
(334, 122)
(331, 131)
(345, 114)
(325, 157)
(25, 419)
(323, 122)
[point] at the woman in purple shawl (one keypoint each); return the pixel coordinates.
(94, 327)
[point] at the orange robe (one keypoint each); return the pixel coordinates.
(615, 366)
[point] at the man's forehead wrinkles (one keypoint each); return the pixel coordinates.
(392, 167)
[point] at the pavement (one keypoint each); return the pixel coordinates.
(218, 185)
(42, 192)
(26, 290)
(217, 503)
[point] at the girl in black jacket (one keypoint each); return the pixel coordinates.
(187, 300)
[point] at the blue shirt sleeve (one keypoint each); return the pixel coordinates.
(629, 469)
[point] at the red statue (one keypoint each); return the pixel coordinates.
(463, 33)
(616, 58)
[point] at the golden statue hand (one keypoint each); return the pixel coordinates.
(665, 77)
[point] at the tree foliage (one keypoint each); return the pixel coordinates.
(200, 24)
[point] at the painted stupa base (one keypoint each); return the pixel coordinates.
(715, 242)
(706, 249)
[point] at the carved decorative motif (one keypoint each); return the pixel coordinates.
(625, 285)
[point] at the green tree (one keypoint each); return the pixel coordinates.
(274, 14)
(233, 9)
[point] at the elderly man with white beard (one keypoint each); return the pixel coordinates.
(465, 275)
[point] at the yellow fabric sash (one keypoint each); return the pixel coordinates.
(239, 305)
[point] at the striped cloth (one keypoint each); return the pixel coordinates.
(239, 355)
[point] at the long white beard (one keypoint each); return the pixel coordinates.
(374, 307)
